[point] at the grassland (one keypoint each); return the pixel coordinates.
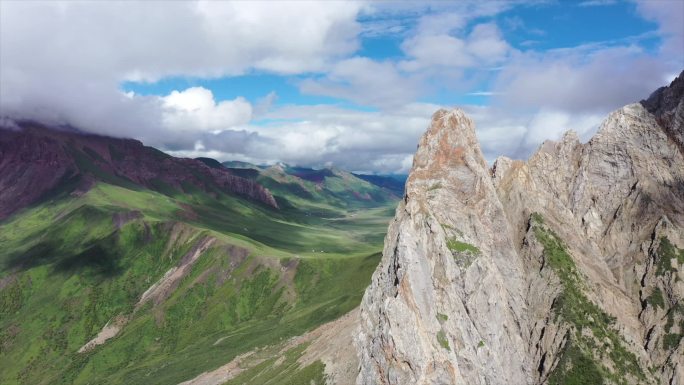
(68, 267)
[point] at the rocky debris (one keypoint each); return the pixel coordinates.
(226, 372)
(110, 330)
(37, 162)
(566, 266)
(330, 343)
(161, 289)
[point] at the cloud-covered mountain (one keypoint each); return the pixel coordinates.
(351, 84)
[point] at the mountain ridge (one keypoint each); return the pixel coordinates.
(35, 160)
(565, 268)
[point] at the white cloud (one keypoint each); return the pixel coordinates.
(436, 50)
(517, 134)
(486, 44)
(551, 124)
(264, 104)
(366, 81)
(669, 14)
(142, 41)
(64, 62)
(483, 46)
(441, 23)
(317, 135)
(578, 80)
(196, 110)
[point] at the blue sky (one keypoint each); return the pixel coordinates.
(351, 84)
(543, 26)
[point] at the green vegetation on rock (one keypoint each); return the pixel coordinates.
(656, 299)
(576, 368)
(462, 247)
(593, 337)
(672, 340)
(666, 253)
(442, 339)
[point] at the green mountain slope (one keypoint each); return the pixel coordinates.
(317, 189)
(190, 280)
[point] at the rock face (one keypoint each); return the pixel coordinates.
(37, 161)
(567, 267)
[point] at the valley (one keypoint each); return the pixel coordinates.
(166, 286)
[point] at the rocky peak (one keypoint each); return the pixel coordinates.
(438, 306)
(667, 105)
(565, 267)
(449, 146)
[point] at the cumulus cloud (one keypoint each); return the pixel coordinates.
(318, 135)
(483, 46)
(544, 94)
(64, 62)
(199, 38)
(437, 52)
(195, 109)
(502, 131)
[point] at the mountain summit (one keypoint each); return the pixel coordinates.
(566, 268)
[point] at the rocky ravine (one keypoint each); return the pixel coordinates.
(567, 267)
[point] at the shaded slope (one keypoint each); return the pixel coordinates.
(37, 162)
(394, 183)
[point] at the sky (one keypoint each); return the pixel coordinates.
(345, 84)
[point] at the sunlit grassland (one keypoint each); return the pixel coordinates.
(67, 270)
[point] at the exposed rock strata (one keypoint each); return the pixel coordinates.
(569, 265)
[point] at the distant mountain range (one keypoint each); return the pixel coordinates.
(392, 182)
(37, 162)
(330, 185)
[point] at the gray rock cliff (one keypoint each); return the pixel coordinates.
(569, 266)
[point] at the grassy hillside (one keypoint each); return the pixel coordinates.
(232, 275)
